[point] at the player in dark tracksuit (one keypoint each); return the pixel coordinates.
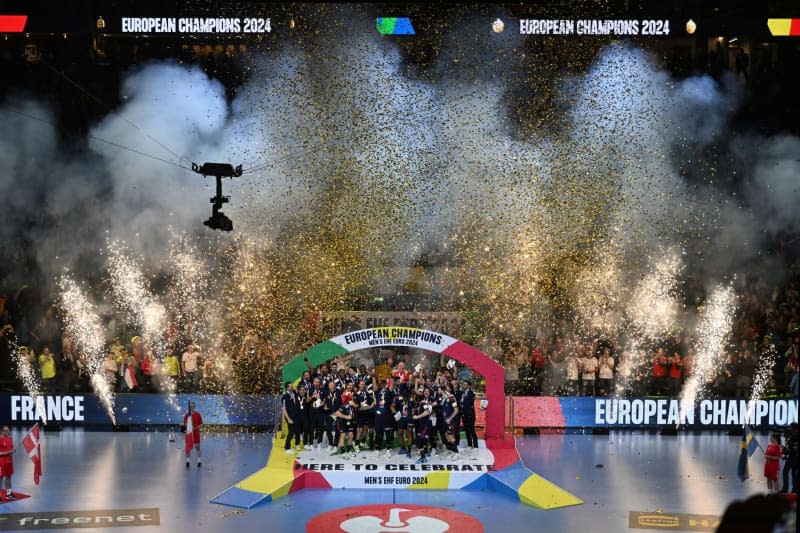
(331, 400)
(306, 430)
(422, 415)
(317, 413)
(292, 414)
(441, 425)
(468, 414)
(449, 412)
(403, 404)
(306, 380)
(384, 422)
(345, 424)
(458, 393)
(365, 415)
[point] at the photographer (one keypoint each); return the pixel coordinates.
(789, 452)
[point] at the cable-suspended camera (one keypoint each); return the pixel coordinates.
(218, 219)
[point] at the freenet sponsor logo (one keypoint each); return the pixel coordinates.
(57, 408)
(80, 519)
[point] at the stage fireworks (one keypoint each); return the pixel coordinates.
(654, 306)
(190, 283)
(27, 364)
(712, 332)
(132, 296)
(763, 375)
(82, 322)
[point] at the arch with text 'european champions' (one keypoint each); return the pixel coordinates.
(493, 373)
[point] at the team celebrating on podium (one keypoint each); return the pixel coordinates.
(379, 410)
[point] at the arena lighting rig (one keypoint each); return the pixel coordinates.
(218, 219)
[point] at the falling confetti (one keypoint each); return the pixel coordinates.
(540, 191)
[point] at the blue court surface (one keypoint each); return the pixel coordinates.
(613, 474)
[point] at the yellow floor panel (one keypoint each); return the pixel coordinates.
(539, 492)
(267, 480)
(277, 475)
(436, 480)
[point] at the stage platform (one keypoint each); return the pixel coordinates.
(496, 467)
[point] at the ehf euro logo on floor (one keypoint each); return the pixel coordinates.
(394, 518)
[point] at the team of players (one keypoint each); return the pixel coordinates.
(355, 410)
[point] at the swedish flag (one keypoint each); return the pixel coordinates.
(748, 448)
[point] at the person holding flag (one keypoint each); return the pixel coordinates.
(193, 422)
(129, 374)
(748, 448)
(773, 462)
(33, 445)
(7, 448)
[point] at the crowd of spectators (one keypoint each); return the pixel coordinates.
(766, 333)
(59, 366)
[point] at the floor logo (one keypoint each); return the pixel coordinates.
(673, 521)
(79, 519)
(394, 518)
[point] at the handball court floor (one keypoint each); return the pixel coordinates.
(95, 470)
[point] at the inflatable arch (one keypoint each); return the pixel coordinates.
(495, 466)
(479, 362)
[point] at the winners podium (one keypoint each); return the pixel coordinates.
(498, 469)
(495, 465)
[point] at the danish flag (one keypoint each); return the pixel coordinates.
(33, 446)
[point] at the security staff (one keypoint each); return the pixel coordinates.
(467, 409)
(458, 393)
(292, 413)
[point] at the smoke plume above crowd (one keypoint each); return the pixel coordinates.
(361, 165)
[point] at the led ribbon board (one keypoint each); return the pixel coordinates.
(394, 26)
(784, 27)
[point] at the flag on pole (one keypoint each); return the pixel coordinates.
(130, 378)
(33, 446)
(748, 448)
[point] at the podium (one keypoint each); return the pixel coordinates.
(495, 465)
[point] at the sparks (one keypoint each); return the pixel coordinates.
(712, 332)
(83, 323)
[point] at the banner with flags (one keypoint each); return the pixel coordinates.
(748, 448)
(32, 444)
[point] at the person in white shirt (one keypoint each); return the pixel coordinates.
(573, 368)
(190, 367)
(110, 370)
(606, 373)
(589, 369)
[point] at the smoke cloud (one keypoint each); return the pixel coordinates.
(359, 164)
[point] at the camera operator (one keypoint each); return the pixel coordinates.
(789, 452)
